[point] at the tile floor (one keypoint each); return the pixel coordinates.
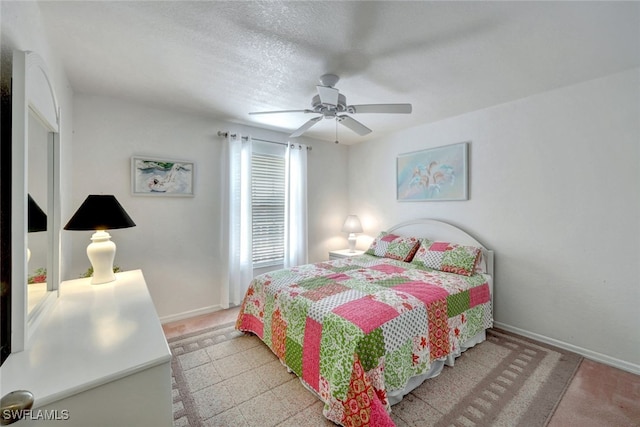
(598, 396)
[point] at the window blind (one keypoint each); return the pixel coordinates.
(267, 202)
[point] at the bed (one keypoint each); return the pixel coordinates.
(362, 332)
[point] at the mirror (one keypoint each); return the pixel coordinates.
(37, 236)
(35, 172)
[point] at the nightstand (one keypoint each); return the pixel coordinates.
(344, 253)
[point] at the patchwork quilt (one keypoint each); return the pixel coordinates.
(355, 328)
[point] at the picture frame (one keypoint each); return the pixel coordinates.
(155, 176)
(434, 174)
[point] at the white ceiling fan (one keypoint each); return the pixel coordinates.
(329, 103)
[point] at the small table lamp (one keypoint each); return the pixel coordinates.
(100, 213)
(352, 225)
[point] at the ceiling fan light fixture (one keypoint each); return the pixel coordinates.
(329, 103)
(328, 95)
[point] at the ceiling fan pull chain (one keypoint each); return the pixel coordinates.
(336, 129)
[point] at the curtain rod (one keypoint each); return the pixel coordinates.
(233, 135)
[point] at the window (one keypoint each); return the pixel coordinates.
(267, 203)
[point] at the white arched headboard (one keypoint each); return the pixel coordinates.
(443, 231)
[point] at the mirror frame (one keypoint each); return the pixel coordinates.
(32, 91)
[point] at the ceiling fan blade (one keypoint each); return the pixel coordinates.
(380, 108)
(328, 95)
(281, 111)
(354, 125)
(302, 129)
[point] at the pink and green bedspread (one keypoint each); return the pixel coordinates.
(354, 328)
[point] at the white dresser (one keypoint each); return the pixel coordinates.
(99, 358)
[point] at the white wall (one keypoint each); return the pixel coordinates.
(178, 241)
(555, 191)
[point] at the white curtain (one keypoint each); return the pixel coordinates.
(295, 237)
(238, 220)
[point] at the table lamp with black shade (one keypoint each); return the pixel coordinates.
(100, 213)
(36, 219)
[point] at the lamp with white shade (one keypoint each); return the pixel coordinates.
(352, 226)
(100, 213)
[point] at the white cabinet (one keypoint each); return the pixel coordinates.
(344, 253)
(99, 358)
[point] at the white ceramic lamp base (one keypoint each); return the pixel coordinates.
(101, 252)
(352, 242)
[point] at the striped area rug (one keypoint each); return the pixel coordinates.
(224, 378)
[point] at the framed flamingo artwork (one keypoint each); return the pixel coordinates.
(439, 173)
(152, 176)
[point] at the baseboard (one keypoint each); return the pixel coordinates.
(589, 354)
(188, 314)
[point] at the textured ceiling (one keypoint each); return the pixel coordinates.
(225, 59)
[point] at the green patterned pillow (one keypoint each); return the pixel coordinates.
(448, 257)
(395, 247)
